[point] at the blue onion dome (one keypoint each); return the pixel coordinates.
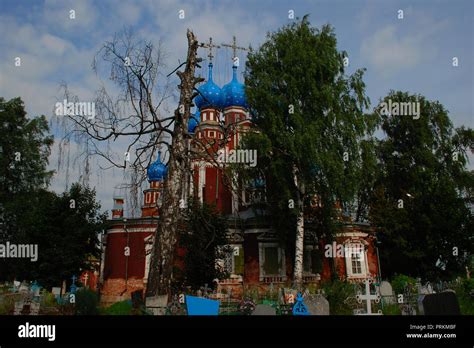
(234, 92)
(210, 93)
(194, 121)
(157, 170)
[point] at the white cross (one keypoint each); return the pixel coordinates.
(86, 277)
(368, 297)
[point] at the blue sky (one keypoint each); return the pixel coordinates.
(411, 54)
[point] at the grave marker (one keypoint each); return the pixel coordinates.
(368, 297)
(317, 304)
(263, 309)
(386, 292)
(300, 308)
(202, 306)
(443, 303)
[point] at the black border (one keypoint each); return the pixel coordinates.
(242, 330)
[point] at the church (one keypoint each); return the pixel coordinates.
(255, 259)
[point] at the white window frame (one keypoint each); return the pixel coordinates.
(348, 247)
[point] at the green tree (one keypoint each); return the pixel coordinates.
(65, 228)
(24, 150)
(421, 197)
(310, 122)
(203, 236)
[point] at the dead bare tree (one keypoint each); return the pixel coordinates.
(162, 261)
(133, 119)
(136, 120)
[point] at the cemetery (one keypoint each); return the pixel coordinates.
(202, 186)
(339, 298)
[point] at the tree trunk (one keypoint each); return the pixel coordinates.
(299, 244)
(164, 246)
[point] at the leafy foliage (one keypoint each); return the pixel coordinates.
(203, 235)
(118, 308)
(400, 281)
(66, 237)
(87, 302)
(465, 294)
(422, 164)
(308, 115)
(24, 150)
(337, 293)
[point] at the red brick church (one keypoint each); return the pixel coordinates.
(256, 259)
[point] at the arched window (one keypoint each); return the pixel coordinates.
(356, 260)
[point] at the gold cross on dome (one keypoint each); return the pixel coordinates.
(209, 45)
(234, 47)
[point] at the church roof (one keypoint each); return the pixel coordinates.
(210, 94)
(234, 92)
(157, 171)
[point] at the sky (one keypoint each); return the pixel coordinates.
(413, 54)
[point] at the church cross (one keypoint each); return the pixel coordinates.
(234, 47)
(209, 45)
(368, 297)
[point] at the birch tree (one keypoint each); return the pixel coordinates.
(310, 119)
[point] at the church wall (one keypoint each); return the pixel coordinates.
(116, 261)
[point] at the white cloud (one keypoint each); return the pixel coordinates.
(56, 13)
(389, 53)
(397, 48)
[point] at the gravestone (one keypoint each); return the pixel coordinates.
(34, 308)
(300, 308)
(202, 306)
(387, 293)
(443, 303)
(317, 304)
(368, 297)
(18, 308)
(425, 289)
(56, 291)
(262, 309)
(24, 288)
(157, 304)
